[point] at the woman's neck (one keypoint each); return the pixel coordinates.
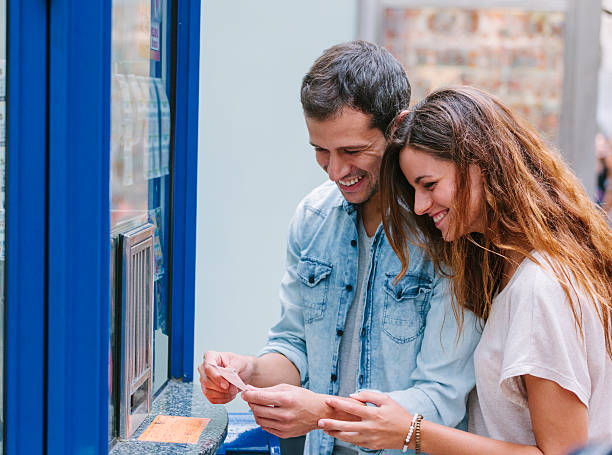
(511, 263)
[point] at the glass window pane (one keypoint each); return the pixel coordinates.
(513, 53)
(2, 198)
(140, 162)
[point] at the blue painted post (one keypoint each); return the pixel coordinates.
(25, 367)
(78, 227)
(185, 189)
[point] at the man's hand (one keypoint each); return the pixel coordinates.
(287, 411)
(214, 386)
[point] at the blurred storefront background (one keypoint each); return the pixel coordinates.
(540, 56)
(604, 106)
(516, 54)
(603, 139)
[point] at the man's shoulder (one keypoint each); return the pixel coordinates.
(321, 200)
(316, 209)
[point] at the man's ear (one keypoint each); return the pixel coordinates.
(397, 120)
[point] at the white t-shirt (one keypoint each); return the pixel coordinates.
(531, 330)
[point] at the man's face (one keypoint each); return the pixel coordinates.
(350, 150)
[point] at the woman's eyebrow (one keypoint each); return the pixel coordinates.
(418, 179)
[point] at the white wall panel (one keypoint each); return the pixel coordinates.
(254, 162)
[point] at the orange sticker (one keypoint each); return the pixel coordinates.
(180, 430)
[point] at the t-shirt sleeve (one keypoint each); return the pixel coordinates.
(543, 339)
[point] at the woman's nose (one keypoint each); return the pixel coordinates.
(422, 202)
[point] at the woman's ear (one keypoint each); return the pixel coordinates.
(397, 121)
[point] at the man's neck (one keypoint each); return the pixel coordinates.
(370, 214)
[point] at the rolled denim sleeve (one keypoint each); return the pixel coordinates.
(444, 373)
(286, 337)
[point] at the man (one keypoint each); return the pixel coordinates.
(345, 324)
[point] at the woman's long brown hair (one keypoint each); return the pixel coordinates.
(532, 201)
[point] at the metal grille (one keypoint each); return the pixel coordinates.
(137, 327)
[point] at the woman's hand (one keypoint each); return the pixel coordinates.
(383, 426)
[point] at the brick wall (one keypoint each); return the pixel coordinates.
(516, 55)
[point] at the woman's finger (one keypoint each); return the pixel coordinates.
(355, 409)
(340, 425)
(367, 396)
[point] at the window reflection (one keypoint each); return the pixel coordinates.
(140, 162)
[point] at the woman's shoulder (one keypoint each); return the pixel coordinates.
(535, 276)
(544, 288)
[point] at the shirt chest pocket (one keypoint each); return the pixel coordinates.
(406, 306)
(314, 276)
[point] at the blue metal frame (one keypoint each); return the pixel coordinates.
(58, 227)
(25, 226)
(78, 227)
(184, 188)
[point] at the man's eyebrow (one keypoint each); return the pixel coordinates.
(356, 147)
(347, 147)
(418, 179)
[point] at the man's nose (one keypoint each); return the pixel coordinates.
(422, 202)
(337, 167)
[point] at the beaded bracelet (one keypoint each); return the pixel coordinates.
(410, 431)
(417, 436)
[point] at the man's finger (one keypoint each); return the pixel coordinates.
(218, 395)
(269, 430)
(217, 381)
(275, 425)
(264, 398)
(267, 412)
(218, 400)
(355, 409)
(209, 384)
(201, 370)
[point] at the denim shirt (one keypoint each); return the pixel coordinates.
(410, 348)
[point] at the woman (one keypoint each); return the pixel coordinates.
(528, 252)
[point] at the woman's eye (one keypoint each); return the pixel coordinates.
(429, 185)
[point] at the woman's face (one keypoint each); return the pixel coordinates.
(434, 184)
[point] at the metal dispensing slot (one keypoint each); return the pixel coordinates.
(137, 276)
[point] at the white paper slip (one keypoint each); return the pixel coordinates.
(231, 375)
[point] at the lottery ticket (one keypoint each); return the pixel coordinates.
(231, 375)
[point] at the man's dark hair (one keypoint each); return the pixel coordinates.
(359, 75)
